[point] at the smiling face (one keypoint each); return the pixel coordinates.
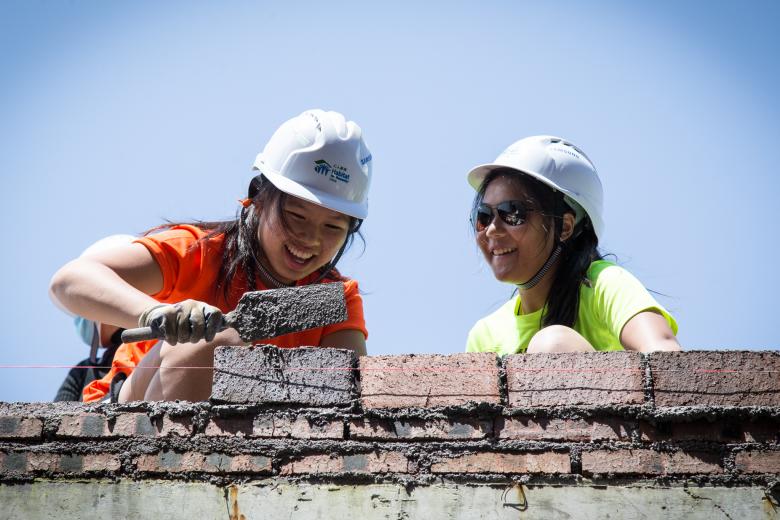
(514, 253)
(314, 237)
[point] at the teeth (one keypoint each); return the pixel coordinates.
(499, 252)
(303, 255)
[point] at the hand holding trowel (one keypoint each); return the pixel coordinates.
(267, 314)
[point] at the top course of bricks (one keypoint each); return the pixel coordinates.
(662, 380)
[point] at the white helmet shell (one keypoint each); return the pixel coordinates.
(558, 164)
(320, 157)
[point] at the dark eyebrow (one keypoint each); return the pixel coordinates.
(296, 203)
(341, 219)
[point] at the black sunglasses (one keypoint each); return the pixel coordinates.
(512, 212)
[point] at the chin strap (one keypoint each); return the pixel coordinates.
(535, 279)
(276, 284)
(271, 279)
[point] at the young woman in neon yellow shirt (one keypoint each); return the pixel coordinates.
(537, 216)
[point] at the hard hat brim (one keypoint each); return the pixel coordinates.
(477, 176)
(353, 209)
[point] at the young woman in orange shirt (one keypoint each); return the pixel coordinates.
(304, 207)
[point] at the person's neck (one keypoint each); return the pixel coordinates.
(267, 276)
(531, 300)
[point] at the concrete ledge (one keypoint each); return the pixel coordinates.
(279, 499)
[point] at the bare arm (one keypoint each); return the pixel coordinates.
(346, 339)
(112, 286)
(184, 371)
(648, 331)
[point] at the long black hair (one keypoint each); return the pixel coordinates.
(577, 252)
(241, 251)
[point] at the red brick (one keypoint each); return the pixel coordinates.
(92, 425)
(717, 431)
(16, 427)
(245, 463)
(612, 429)
(72, 463)
(101, 462)
(574, 379)
(419, 429)
(718, 378)
(681, 462)
(298, 428)
(170, 462)
(13, 463)
(664, 432)
(173, 462)
(388, 462)
(572, 430)
(229, 426)
(505, 463)
(423, 381)
(49, 462)
(130, 425)
(250, 464)
(758, 462)
(179, 425)
(649, 462)
(83, 425)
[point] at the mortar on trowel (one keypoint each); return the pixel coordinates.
(272, 313)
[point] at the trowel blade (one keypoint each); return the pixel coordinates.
(272, 313)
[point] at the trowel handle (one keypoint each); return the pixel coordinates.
(147, 333)
(140, 334)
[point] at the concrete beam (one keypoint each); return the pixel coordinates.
(274, 498)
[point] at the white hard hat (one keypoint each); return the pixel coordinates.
(558, 164)
(320, 157)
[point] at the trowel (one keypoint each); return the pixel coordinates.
(272, 313)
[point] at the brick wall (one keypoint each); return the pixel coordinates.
(322, 415)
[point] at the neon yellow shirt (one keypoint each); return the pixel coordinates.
(614, 297)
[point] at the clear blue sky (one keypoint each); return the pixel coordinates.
(115, 115)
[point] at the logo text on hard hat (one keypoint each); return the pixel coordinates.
(365, 159)
(321, 167)
(335, 173)
(564, 150)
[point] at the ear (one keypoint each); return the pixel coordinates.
(568, 226)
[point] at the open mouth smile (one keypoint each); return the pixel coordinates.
(298, 256)
(502, 251)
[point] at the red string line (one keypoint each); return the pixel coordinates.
(419, 369)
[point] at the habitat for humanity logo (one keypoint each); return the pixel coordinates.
(335, 173)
